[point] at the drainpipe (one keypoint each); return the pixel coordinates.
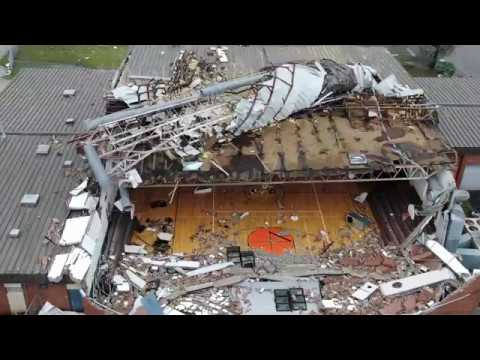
(97, 167)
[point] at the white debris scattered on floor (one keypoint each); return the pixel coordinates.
(331, 304)
(400, 286)
(135, 249)
(165, 236)
(361, 197)
(210, 268)
(183, 264)
(365, 291)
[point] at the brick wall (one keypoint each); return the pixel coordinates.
(4, 306)
(463, 161)
(56, 294)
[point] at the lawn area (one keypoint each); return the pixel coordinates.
(91, 56)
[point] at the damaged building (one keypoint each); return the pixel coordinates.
(265, 180)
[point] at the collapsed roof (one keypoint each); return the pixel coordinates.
(197, 133)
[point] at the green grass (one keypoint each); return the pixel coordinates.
(90, 56)
(3, 60)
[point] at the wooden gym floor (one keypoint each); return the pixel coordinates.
(317, 206)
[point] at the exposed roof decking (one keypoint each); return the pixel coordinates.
(459, 124)
(33, 101)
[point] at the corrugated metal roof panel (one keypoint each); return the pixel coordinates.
(277, 54)
(148, 60)
(33, 101)
(459, 125)
(381, 60)
(26, 172)
(155, 60)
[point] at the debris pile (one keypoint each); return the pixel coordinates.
(154, 235)
(351, 280)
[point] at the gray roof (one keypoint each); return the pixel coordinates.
(460, 124)
(155, 60)
(25, 172)
(32, 110)
(33, 101)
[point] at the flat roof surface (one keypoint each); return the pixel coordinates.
(459, 124)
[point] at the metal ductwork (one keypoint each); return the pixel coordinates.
(222, 87)
(97, 167)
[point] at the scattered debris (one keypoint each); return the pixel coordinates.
(415, 282)
(365, 291)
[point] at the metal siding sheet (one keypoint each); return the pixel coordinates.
(33, 101)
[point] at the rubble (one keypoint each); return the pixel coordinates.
(187, 134)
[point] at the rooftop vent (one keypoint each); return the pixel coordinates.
(43, 149)
(69, 92)
(30, 200)
(14, 233)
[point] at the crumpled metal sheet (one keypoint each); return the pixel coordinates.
(293, 87)
(390, 87)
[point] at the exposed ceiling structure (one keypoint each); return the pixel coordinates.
(299, 121)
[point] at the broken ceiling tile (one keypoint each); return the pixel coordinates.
(135, 249)
(164, 236)
(30, 200)
(43, 149)
(365, 291)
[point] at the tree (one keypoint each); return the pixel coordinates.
(439, 51)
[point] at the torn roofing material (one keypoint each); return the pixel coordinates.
(33, 101)
(28, 173)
